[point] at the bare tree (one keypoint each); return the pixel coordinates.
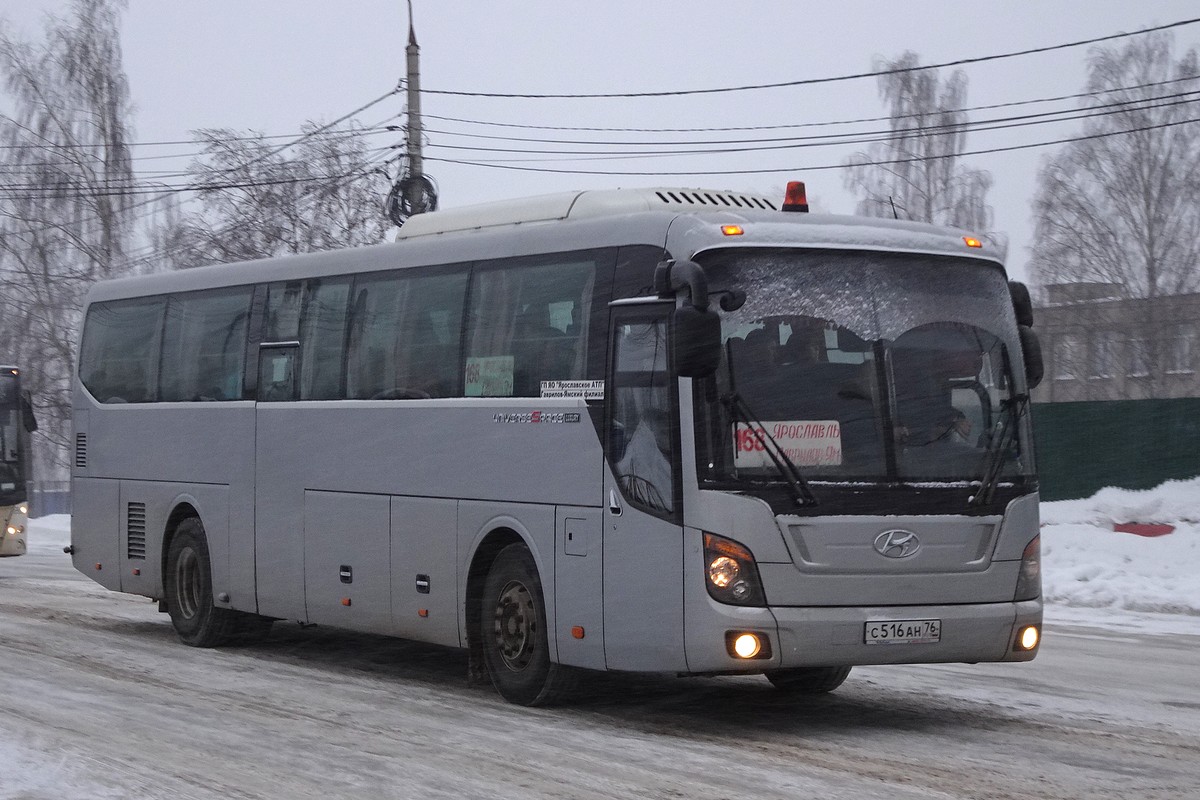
(66, 201)
(1123, 206)
(259, 200)
(916, 173)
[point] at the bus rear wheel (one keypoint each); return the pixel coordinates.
(516, 643)
(808, 680)
(188, 587)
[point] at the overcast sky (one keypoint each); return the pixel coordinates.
(269, 65)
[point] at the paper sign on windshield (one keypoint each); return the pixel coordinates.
(489, 376)
(808, 443)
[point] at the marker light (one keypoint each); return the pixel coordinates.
(732, 230)
(1029, 637)
(1029, 576)
(972, 241)
(795, 198)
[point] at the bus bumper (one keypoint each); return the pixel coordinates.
(818, 636)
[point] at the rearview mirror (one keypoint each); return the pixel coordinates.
(1022, 304)
(696, 341)
(1031, 353)
(27, 417)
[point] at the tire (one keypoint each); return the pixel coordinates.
(187, 582)
(516, 648)
(808, 680)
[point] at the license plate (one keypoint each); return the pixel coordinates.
(903, 631)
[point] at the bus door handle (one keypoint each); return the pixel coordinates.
(614, 503)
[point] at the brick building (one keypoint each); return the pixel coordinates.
(1100, 344)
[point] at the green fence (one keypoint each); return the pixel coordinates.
(1134, 444)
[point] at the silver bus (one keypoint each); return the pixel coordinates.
(675, 431)
(16, 423)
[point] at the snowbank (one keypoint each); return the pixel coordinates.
(1086, 564)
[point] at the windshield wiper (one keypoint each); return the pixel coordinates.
(787, 468)
(783, 463)
(1000, 444)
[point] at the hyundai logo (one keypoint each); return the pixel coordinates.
(897, 544)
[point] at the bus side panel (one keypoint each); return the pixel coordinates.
(95, 520)
(186, 449)
(493, 449)
(533, 523)
(579, 587)
(347, 561)
(424, 570)
(144, 510)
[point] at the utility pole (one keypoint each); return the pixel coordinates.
(415, 166)
(414, 192)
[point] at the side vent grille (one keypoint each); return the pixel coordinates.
(135, 526)
(693, 197)
(81, 449)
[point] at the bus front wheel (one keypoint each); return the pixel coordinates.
(808, 680)
(188, 587)
(516, 645)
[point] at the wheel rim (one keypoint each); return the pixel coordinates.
(187, 583)
(515, 625)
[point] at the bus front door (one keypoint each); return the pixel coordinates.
(643, 536)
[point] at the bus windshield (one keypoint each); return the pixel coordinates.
(861, 366)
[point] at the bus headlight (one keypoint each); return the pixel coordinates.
(1029, 580)
(730, 573)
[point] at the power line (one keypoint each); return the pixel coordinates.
(829, 123)
(151, 252)
(132, 186)
(349, 132)
(161, 197)
(814, 81)
(858, 137)
(801, 169)
(740, 146)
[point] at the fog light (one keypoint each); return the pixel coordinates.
(1028, 638)
(747, 645)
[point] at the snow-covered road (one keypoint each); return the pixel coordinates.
(99, 700)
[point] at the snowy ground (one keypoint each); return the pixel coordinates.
(98, 701)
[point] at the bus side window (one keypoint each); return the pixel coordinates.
(641, 442)
(204, 346)
(529, 318)
(322, 339)
(120, 350)
(404, 336)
